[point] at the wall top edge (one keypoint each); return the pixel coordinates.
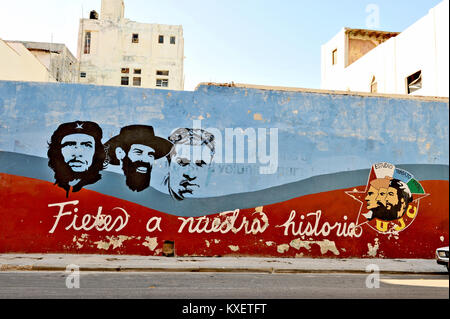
(256, 87)
(321, 91)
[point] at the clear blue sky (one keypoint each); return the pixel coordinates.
(265, 42)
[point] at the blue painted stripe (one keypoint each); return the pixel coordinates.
(113, 184)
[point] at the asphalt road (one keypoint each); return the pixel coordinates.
(44, 285)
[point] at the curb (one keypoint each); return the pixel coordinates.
(7, 267)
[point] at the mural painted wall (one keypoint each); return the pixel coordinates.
(221, 171)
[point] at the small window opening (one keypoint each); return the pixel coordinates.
(161, 39)
(124, 80)
(334, 57)
(160, 72)
(172, 40)
(137, 81)
(135, 38)
(414, 82)
(87, 42)
(82, 74)
(373, 85)
(137, 71)
(125, 70)
(162, 83)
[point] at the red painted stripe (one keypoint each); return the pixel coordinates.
(26, 222)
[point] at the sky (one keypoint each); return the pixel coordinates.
(261, 42)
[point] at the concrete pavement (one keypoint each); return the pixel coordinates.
(59, 262)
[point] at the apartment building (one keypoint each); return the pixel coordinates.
(116, 51)
(413, 62)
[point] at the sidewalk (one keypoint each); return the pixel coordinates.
(59, 262)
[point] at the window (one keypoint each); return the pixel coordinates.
(159, 72)
(124, 80)
(87, 42)
(135, 38)
(137, 81)
(172, 40)
(137, 71)
(334, 57)
(125, 70)
(414, 82)
(82, 74)
(161, 39)
(373, 85)
(162, 83)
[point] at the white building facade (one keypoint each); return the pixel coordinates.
(56, 57)
(115, 51)
(415, 61)
(17, 63)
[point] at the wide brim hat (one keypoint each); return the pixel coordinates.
(137, 134)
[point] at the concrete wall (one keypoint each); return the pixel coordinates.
(423, 46)
(290, 175)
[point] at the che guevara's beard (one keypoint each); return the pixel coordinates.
(136, 181)
(76, 162)
(64, 175)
